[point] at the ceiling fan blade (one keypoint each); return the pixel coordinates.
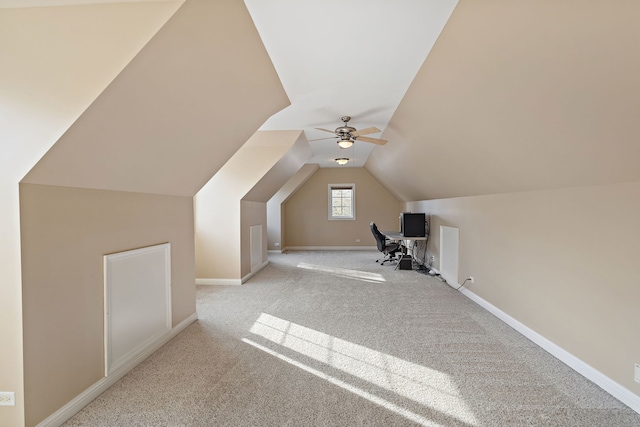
(366, 131)
(372, 140)
(325, 130)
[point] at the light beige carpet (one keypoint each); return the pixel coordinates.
(334, 339)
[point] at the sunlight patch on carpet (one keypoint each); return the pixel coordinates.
(353, 389)
(365, 276)
(426, 386)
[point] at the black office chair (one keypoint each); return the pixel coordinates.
(388, 248)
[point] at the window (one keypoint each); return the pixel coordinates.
(342, 201)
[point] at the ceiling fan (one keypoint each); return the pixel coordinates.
(347, 135)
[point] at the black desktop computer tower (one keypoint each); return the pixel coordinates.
(412, 224)
(405, 262)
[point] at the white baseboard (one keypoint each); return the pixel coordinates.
(618, 391)
(230, 282)
(83, 399)
(216, 282)
(330, 248)
(253, 273)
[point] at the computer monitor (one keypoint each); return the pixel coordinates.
(412, 224)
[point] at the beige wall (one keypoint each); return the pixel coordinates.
(257, 170)
(306, 212)
(149, 131)
(11, 366)
(276, 204)
(49, 76)
(562, 262)
(65, 233)
(524, 100)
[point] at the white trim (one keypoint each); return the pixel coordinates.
(231, 282)
(352, 186)
(330, 248)
(618, 391)
(83, 399)
(254, 272)
(218, 282)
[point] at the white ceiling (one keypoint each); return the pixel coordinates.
(345, 57)
(336, 58)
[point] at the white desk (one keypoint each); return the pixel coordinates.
(396, 235)
(399, 237)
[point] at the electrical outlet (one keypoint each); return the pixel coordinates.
(471, 279)
(637, 374)
(357, 240)
(276, 244)
(7, 398)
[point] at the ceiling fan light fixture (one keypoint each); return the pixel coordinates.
(342, 161)
(345, 143)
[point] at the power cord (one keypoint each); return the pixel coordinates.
(465, 281)
(416, 247)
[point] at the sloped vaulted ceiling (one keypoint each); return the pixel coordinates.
(519, 96)
(49, 75)
(192, 96)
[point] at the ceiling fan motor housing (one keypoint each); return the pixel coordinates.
(345, 131)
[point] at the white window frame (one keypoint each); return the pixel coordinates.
(350, 186)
